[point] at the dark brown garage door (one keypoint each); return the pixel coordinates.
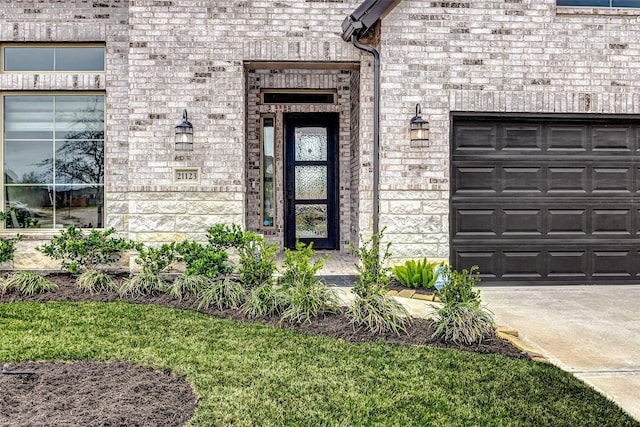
(546, 199)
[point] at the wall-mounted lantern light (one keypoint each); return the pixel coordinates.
(419, 128)
(184, 134)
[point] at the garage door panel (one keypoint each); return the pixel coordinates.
(523, 264)
(487, 262)
(476, 179)
(475, 136)
(612, 221)
(612, 263)
(612, 180)
(612, 139)
(547, 200)
(568, 180)
(523, 179)
(567, 138)
(567, 264)
(476, 222)
(522, 137)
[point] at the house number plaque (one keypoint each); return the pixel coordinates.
(186, 175)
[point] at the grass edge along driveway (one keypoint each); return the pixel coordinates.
(249, 374)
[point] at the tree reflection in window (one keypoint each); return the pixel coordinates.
(65, 184)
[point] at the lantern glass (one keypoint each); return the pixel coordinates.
(184, 134)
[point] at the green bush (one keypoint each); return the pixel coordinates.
(459, 286)
(8, 247)
(373, 308)
(463, 323)
(417, 274)
(154, 261)
(257, 261)
(204, 260)
(222, 237)
(306, 296)
(27, 283)
(79, 252)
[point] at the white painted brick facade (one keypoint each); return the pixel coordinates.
(164, 56)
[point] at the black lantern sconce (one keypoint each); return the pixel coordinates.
(419, 128)
(184, 134)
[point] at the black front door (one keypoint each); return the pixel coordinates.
(311, 180)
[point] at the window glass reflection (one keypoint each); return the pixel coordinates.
(28, 162)
(79, 59)
(53, 58)
(28, 59)
(28, 117)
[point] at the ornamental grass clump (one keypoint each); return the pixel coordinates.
(222, 293)
(306, 296)
(27, 283)
(461, 319)
(87, 254)
(265, 301)
(154, 261)
(373, 308)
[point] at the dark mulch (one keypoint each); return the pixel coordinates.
(144, 397)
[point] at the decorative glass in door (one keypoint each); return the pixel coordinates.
(311, 181)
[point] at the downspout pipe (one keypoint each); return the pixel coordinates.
(376, 130)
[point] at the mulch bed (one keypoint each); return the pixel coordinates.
(121, 394)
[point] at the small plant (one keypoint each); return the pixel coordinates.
(79, 252)
(458, 286)
(27, 283)
(417, 274)
(463, 323)
(222, 293)
(257, 261)
(373, 308)
(306, 296)
(94, 281)
(222, 237)
(154, 261)
(203, 260)
(8, 247)
(461, 319)
(264, 301)
(188, 286)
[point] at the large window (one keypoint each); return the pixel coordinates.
(53, 147)
(37, 58)
(600, 3)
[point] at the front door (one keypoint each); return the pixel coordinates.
(311, 180)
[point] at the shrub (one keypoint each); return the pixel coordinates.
(8, 247)
(373, 276)
(222, 237)
(154, 261)
(94, 281)
(222, 293)
(79, 252)
(306, 296)
(27, 283)
(463, 323)
(458, 286)
(203, 260)
(417, 274)
(373, 308)
(257, 261)
(264, 301)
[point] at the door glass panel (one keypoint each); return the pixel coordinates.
(311, 221)
(311, 182)
(311, 144)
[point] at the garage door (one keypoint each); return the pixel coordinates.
(546, 199)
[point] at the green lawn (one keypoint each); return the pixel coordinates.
(248, 374)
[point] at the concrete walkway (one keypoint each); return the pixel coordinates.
(590, 331)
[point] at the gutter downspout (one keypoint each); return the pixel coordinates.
(376, 131)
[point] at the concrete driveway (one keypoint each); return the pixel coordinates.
(591, 331)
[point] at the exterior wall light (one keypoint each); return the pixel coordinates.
(419, 129)
(184, 134)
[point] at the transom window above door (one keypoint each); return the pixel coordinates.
(46, 58)
(600, 3)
